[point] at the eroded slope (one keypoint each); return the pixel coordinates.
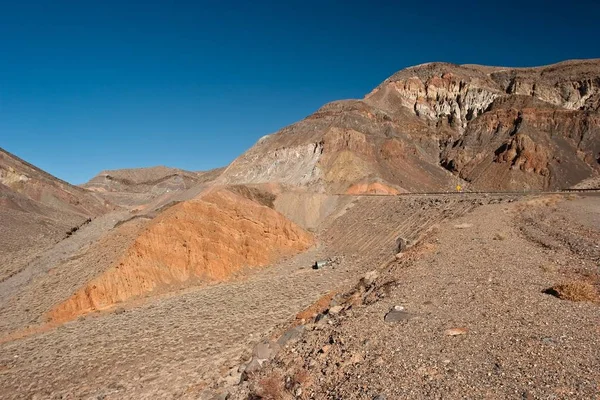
(207, 239)
(37, 210)
(472, 317)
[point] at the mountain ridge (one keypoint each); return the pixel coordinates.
(408, 126)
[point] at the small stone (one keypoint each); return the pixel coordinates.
(290, 335)
(325, 349)
(399, 256)
(266, 350)
(379, 397)
(401, 244)
(220, 396)
(370, 277)
(463, 226)
(356, 358)
(398, 308)
(233, 380)
(321, 318)
(396, 315)
(335, 310)
(321, 264)
(456, 331)
(251, 368)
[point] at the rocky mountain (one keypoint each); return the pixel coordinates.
(433, 126)
(44, 189)
(246, 282)
(38, 209)
(135, 187)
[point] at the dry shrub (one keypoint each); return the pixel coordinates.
(575, 291)
(271, 388)
(302, 377)
(547, 201)
(500, 236)
(540, 201)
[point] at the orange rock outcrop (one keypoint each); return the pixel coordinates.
(206, 239)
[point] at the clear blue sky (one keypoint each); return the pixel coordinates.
(86, 86)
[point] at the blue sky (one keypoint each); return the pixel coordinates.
(86, 86)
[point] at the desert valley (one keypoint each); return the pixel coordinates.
(439, 238)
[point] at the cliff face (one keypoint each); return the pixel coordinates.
(526, 146)
(438, 95)
(207, 239)
(345, 143)
(574, 85)
(428, 120)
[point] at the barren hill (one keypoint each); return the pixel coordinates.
(139, 186)
(433, 126)
(206, 239)
(43, 188)
(37, 210)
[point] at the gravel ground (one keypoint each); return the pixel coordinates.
(179, 345)
(478, 268)
(482, 276)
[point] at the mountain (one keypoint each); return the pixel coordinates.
(206, 239)
(160, 281)
(47, 190)
(135, 187)
(124, 235)
(37, 210)
(438, 125)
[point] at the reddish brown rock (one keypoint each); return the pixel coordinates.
(426, 121)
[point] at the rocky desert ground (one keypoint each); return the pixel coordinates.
(439, 238)
(499, 303)
(485, 266)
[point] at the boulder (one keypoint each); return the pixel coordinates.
(290, 335)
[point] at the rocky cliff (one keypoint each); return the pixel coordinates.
(433, 126)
